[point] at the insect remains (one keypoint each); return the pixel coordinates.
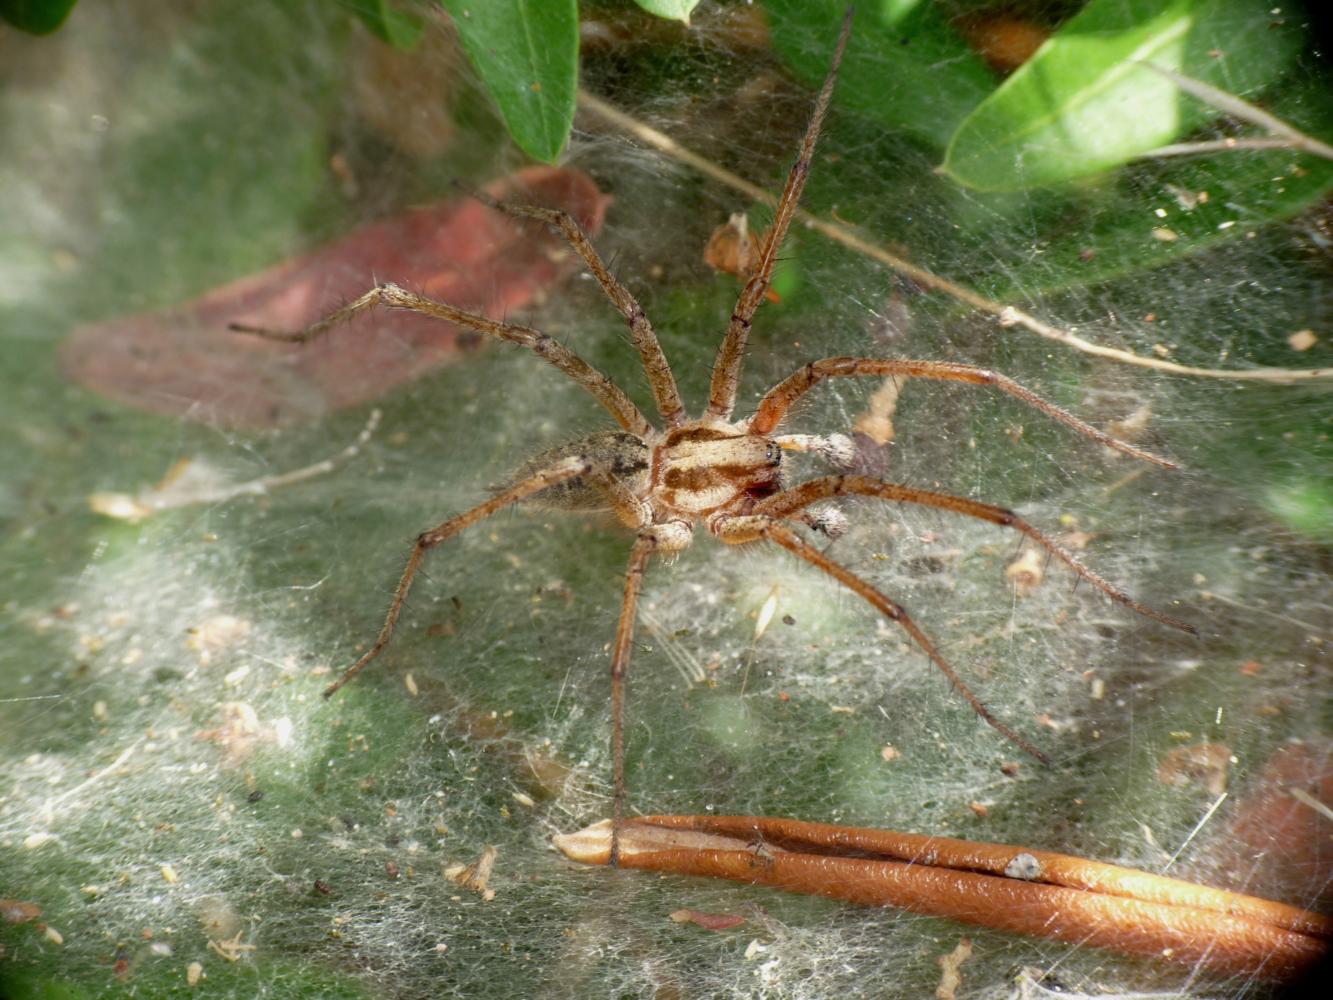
(713, 470)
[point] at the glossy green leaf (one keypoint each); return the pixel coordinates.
(389, 22)
(676, 10)
(526, 52)
(1127, 235)
(905, 67)
(1082, 105)
(37, 17)
(1156, 214)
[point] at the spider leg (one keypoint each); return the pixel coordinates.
(774, 406)
(644, 547)
(562, 358)
(790, 502)
(836, 449)
(737, 530)
(727, 367)
(655, 364)
(631, 510)
(558, 473)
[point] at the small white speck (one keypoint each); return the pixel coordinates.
(1023, 866)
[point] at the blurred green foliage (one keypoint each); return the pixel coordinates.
(38, 17)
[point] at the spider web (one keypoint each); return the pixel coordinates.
(172, 777)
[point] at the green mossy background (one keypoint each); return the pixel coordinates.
(151, 153)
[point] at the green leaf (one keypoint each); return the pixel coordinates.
(905, 66)
(526, 52)
(1156, 213)
(1081, 105)
(388, 22)
(1243, 191)
(26, 984)
(37, 17)
(676, 10)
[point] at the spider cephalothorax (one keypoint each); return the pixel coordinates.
(711, 469)
(726, 474)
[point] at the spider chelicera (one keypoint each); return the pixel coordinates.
(723, 472)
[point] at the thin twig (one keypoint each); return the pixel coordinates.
(50, 806)
(1006, 314)
(1306, 799)
(1244, 110)
(1203, 821)
(994, 885)
(1214, 146)
(190, 483)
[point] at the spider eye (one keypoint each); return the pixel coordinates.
(774, 453)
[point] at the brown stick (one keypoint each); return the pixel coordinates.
(1069, 899)
(996, 859)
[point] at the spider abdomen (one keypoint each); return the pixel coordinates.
(625, 456)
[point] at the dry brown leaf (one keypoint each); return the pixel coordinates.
(708, 921)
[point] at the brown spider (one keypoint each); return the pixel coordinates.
(726, 473)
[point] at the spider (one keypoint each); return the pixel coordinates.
(661, 482)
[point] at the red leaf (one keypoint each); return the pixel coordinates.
(1276, 843)
(708, 921)
(183, 360)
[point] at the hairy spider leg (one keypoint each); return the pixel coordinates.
(655, 364)
(727, 367)
(630, 509)
(606, 392)
(789, 502)
(569, 468)
(740, 529)
(644, 546)
(775, 404)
